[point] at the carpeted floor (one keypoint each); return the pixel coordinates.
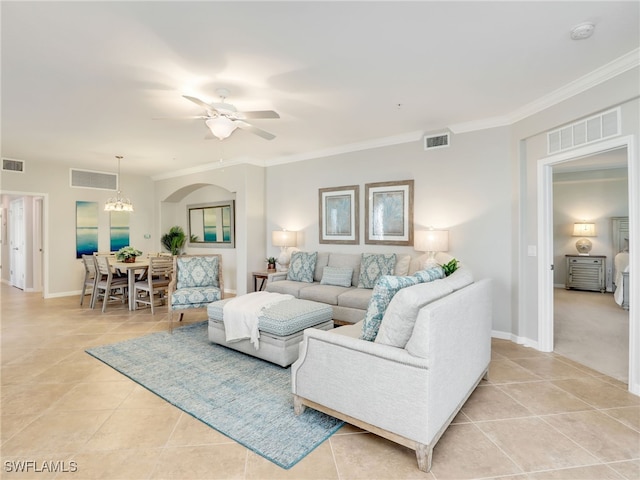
(590, 328)
(245, 398)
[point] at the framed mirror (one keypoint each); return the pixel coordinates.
(212, 224)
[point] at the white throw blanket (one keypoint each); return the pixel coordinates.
(240, 315)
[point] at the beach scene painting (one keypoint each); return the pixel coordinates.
(119, 231)
(86, 228)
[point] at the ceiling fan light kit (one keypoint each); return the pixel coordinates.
(223, 118)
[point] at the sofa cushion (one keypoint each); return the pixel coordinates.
(398, 321)
(347, 260)
(290, 287)
(358, 298)
(302, 266)
(373, 266)
(323, 293)
(340, 276)
(386, 287)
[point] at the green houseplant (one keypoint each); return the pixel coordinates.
(128, 254)
(271, 263)
(174, 240)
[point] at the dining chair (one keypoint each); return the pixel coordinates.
(89, 277)
(157, 282)
(108, 286)
(196, 282)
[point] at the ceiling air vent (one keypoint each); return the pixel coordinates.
(589, 130)
(440, 140)
(91, 179)
(12, 165)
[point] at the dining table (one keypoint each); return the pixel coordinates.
(141, 265)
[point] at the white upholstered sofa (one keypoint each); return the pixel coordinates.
(348, 301)
(406, 392)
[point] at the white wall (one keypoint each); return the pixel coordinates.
(464, 188)
(529, 147)
(246, 184)
(64, 273)
(594, 196)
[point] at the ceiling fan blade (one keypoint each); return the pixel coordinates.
(256, 130)
(189, 117)
(202, 103)
(259, 114)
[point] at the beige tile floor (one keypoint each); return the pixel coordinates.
(540, 416)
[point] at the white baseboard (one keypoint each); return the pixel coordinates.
(527, 342)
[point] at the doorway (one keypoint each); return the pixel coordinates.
(17, 246)
(545, 242)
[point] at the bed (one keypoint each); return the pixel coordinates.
(621, 261)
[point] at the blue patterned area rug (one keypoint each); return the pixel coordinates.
(245, 398)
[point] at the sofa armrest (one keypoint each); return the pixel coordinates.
(376, 384)
(274, 277)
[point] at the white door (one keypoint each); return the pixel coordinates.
(17, 243)
(38, 247)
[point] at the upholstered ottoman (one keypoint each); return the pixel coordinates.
(280, 326)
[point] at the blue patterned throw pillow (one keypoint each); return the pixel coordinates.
(373, 266)
(386, 287)
(430, 274)
(302, 266)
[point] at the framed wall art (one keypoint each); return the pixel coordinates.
(86, 228)
(339, 219)
(389, 213)
(119, 230)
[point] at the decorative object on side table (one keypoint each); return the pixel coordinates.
(271, 263)
(128, 254)
(431, 241)
(584, 229)
(283, 239)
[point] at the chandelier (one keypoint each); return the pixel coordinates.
(118, 203)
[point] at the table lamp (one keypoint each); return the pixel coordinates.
(283, 239)
(584, 229)
(431, 241)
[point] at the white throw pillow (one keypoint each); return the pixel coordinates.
(398, 321)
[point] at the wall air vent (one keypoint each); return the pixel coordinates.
(589, 130)
(91, 179)
(440, 140)
(9, 165)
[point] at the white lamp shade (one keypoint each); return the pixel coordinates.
(283, 238)
(584, 230)
(431, 241)
(221, 127)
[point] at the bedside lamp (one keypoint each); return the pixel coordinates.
(431, 241)
(283, 239)
(584, 229)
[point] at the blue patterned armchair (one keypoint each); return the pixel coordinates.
(196, 282)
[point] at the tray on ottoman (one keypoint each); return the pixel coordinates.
(280, 326)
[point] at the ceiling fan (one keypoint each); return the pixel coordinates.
(223, 118)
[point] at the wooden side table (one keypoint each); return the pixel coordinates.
(262, 275)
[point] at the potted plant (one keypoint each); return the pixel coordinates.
(128, 254)
(174, 240)
(271, 263)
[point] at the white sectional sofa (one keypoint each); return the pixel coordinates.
(349, 303)
(432, 349)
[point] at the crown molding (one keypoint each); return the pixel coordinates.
(207, 167)
(351, 147)
(611, 70)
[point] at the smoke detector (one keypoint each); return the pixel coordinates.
(582, 31)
